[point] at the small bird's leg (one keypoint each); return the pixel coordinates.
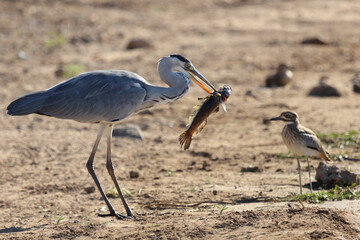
(298, 162)
(90, 167)
(307, 159)
(110, 169)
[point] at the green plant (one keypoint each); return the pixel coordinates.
(71, 70)
(334, 194)
(192, 189)
(168, 173)
(59, 219)
(207, 180)
(54, 40)
(222, 208)
(283, 155)
(340, 140)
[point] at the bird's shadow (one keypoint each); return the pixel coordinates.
(20, 229)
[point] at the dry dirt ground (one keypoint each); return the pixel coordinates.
(177, 193)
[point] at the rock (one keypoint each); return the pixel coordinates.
(356, 83)
(329, 176)
(134, 174)
(22, 55)
(282, 77)
(251, 169)
(250, 93)
(314, 40)
(90, 189)
(205, 166)
(138, 43)
(129, 131)
(59, 72)
(324, 89)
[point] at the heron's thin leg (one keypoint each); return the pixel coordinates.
(307, 159)
(298, 162)
(90, 167)
(110, 169)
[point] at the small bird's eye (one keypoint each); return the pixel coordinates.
(187, 65)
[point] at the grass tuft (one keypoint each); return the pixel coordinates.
(334, 194)
(169, 173)
(71, 70)
(55, 40)
(59, 219)
(222, 208)
(340, 140)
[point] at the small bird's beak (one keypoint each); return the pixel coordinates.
(275, 118)
(196, 77)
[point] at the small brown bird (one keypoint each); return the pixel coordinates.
(282, 77)
(301, 141)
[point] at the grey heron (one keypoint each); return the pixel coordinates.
(107, 97)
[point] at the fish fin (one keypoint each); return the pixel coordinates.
(185, 140)
(193, 114)
(202, 126)
(223, 104)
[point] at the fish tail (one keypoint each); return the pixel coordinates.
(185, 139)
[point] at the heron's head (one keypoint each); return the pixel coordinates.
(179, 63)
(290, 117)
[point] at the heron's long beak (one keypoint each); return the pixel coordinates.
(196, 76)
(275, 118)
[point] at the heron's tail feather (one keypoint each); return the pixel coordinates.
(185, 139)
(30, 103)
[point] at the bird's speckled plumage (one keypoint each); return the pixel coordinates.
(301, 141)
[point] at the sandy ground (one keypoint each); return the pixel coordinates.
(177, 193)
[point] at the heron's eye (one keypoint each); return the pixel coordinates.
(187, 65)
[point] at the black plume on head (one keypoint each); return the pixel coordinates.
(180, 57)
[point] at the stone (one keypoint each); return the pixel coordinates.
(324, 89)
(331, 175)
(138, 43)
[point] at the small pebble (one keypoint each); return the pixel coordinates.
(90, 189)
(138, 43)
(134, 174)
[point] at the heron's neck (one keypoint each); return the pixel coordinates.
(162, 95)
(178, 83)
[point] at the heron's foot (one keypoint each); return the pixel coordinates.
(117, 215)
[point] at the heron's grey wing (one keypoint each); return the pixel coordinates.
(309, 139)
(94, 97)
